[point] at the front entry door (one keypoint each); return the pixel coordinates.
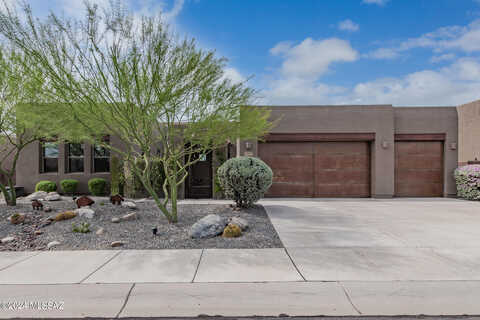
(199, 180)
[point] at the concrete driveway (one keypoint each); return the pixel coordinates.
(375, 240)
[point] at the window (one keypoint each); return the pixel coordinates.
(101, 159)
(75, 157)
(49, 161)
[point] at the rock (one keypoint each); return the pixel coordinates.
(52, 244)
(65, 216)
(115, 220)
(47, 209)
(100, 232)
(232, 231)
(117, 244)
(45, 223)
(7, 240)
(85, 212)
(53, 196)
(242, 223)
(130, 216)
(38, 232)
(39, 195)
(207, 227)
(17, 218)
(129, 204)
(84, 201)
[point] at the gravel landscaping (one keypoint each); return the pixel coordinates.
(134, 233)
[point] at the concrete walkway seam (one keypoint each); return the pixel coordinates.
(293, 262)
(17, 262)
(126, 301)
(348, 297)
(198, 265)
(100, 267)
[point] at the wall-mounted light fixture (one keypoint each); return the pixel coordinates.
(248, 145)
(385, 144)
(453, 146)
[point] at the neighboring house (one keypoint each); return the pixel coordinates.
(314, 151)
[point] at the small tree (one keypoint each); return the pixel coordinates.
(118, 74)
(18, 126)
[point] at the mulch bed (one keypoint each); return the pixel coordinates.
(136, 234)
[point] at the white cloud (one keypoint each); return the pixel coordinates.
(312, 58)
(348, 25)
(233, 74)
(377, 2)
(449, 38)
(443, 57)
(455, 84)
(383, 54)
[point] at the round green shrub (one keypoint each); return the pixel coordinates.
(468, 182)
(45, 185)
(97, 186)
(245, 179)
(69, 186)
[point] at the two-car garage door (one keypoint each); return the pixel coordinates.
(342, 169)
(318, 169)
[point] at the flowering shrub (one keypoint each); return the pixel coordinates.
(468, 182)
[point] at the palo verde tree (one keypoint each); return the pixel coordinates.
(18, 125)
(126, 75)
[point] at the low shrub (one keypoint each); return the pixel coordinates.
(468, 182)
(83, 227)
(69, 186)
(97, 186)
(245, 179)
(45, 185)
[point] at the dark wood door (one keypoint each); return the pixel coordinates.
(342, 169)
(199, 180)
(419, 168)
(318, 169)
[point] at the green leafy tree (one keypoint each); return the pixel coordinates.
(127, 76)
(18, 126)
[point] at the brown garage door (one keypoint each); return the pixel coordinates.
(318, 169)
(419, 168)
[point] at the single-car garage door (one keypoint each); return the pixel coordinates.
(318, 169)
(419, 168)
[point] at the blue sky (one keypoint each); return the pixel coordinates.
(400, 52)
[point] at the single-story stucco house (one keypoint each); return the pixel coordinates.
(315, 151)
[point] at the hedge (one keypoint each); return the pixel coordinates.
(69, 186)
(97, 186)
(45, 185)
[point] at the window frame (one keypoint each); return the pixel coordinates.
(68, 157)
(106, 140)
(43, 157)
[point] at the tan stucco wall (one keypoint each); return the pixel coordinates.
(468, 132)
(426, 120)
(383, 120)
(378, 119)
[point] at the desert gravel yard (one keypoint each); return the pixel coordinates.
(135, 233)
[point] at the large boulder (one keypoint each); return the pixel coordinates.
(53, 196)
(208, 227)
(39, 195)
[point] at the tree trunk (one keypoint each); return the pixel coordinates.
(173, 199)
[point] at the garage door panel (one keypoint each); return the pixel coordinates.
(419, 168)
(318, 169)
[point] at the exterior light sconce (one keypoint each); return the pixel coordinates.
(248, 146)
(385, 144)
(453, 146)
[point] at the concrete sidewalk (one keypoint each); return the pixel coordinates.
(341, 258)
(188, 283)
